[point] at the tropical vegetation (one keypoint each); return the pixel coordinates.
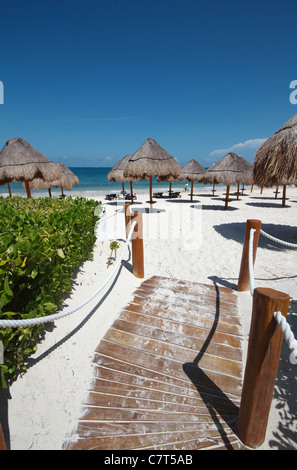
(42, 243)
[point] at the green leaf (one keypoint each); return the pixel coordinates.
(61, 253)
(7, 289)
(34, 273)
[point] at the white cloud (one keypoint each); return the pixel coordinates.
(250, 144)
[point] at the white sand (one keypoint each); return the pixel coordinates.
(42, 407)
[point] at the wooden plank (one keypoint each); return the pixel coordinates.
(209, 360)
(148, 441)
(185, 304)
(178, 336)
(175, 326)
(172, 369)
(168, 372)
(190, 317)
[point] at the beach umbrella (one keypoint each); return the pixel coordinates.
(117, 174)
(231, 169)
(21, 162)
(66, 180)
(149, 161)
(275, 162)
(192, 171)
(209, 177)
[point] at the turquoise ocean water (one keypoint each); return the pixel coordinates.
(94, 182)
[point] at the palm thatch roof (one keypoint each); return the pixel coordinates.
(67, 179)
(117, 172)
(275, 161)
(231, 169)
(152, 160)
(192, 171)
(21, 162)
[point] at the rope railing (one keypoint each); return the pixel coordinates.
(282, 242)
(50, 318)
(281, 320)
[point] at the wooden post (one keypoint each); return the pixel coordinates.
(227, 196)
(131, 191)
(151, 189)
(276, 192)
(192, 190)
(284, 195)
(244, 275)
(127, 218)
(9, 190)
(28, 190)
(264, 350)
(2, 441)
(137, 246)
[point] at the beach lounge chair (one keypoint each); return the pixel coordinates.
(174, 194)
(129, 196)
(110, 197)
(158, 195)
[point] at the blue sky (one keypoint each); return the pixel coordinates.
(87, 82)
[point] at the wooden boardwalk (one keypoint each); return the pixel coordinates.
(168, 373)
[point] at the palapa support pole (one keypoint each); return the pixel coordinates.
(265, 342)
(151, 189)
(192, 190)
(131, 192)
(276, 192)
(227, 196)
(137, 246)
(284, 195)
(28, 190)
(244, 275)
(9, 190)
(127, 218)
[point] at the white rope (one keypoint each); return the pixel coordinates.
(290, 245)
(281, 320)
(288, 336)
(49, 318)
(251, 261)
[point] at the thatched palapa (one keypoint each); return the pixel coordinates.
(21, 162)
(275, 161)
(152, 160)
(192, 171)
(117, 174)
(231, 169)
(67, 180)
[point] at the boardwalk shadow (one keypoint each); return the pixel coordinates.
(216, 401)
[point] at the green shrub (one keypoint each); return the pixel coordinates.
(42, 243)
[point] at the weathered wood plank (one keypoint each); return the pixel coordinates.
(168, 372)
(189, 317)
(179, 327)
